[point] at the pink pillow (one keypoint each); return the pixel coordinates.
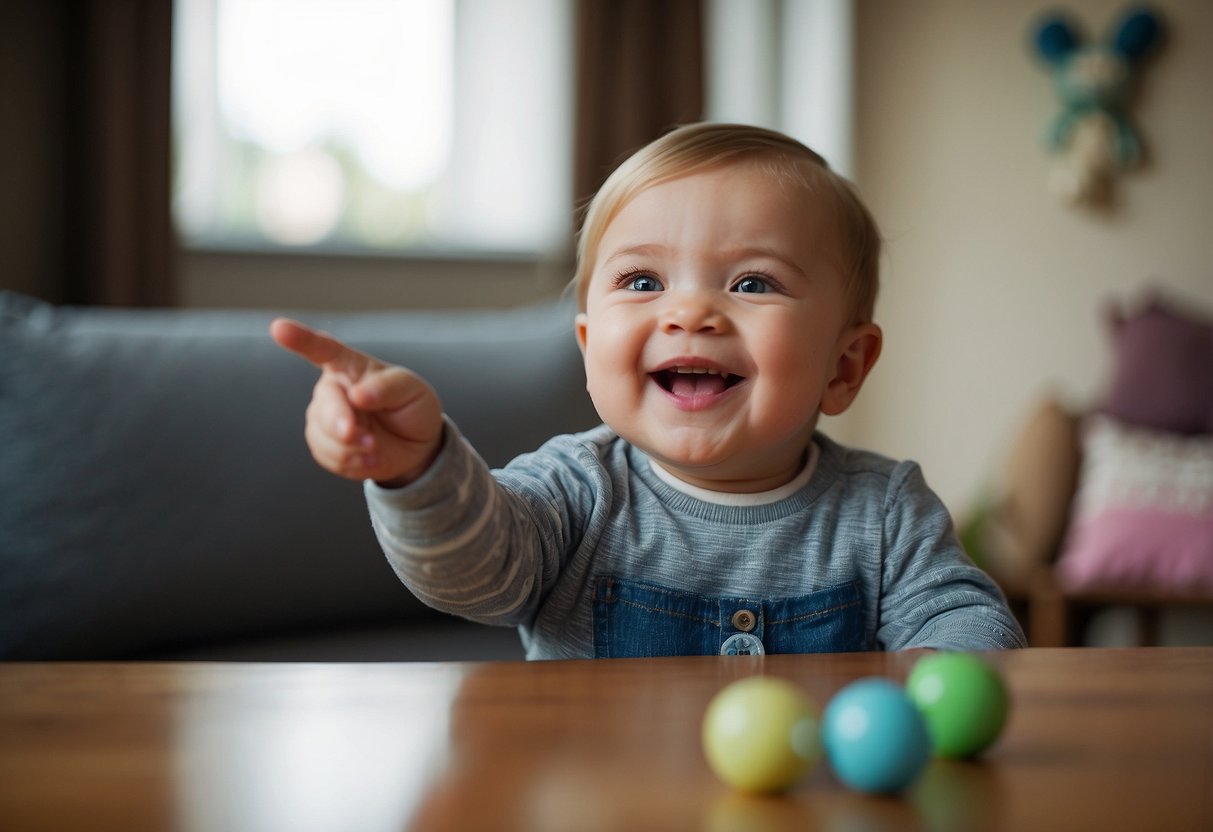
(1143, 513)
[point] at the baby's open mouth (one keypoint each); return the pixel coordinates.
(694, 381)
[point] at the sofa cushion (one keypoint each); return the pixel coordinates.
(1142, 519)
(1021, 526)
(157, 492)
(1163, 363)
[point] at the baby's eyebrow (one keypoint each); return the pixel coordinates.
(725, 256)
(754, 252)
(642, 250)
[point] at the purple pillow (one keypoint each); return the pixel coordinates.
(1163, 376)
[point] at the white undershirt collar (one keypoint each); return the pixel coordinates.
(728, 498)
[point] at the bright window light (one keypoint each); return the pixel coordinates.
(787, 65)
(400, 125)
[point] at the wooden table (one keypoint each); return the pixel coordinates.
(1098, 739)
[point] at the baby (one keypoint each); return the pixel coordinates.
(726, 279)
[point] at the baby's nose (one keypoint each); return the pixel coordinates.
(693, 312)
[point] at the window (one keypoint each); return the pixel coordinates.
(787, 65)
(385, 125)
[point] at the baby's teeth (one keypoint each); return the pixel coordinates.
(697, 371)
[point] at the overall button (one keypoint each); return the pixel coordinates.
(744, 620)
(742, 644)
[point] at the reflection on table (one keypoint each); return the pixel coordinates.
(1097, 739)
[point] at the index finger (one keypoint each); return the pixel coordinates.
(320, 348)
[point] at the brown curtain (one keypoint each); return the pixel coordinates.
(639, 73)
(119, 239)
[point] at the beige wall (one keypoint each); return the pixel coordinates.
(992, 287)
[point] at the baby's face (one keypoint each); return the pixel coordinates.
(716, 327)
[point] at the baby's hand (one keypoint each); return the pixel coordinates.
(367, 419)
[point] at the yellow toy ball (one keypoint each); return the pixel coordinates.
(761, 734)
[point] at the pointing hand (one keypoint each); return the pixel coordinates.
(367, 419)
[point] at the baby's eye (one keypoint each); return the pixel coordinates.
(644, 283)
(752, 285)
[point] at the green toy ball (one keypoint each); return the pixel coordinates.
(963, 700)
(761, 734)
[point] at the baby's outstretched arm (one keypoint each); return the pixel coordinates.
(367, 419)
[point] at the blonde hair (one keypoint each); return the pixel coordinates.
(698, 147)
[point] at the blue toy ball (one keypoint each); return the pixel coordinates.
(875, 737)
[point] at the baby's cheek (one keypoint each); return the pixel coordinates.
(787, 402)
(604, 379)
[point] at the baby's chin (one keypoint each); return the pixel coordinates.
(726, 478)
(718, 461)
(687, 453)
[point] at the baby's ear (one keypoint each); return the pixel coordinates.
(579, 328)
(858, 349)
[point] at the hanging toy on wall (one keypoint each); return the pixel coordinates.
(1093, 137)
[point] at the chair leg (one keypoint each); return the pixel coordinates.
(1048, 615)
(1149, 630)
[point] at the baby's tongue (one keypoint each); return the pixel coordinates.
(696, 384)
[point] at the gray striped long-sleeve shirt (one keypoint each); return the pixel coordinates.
(590, 553)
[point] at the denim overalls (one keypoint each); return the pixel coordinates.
(636, 619)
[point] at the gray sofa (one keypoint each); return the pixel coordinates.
(157, 499)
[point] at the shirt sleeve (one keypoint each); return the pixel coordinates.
(466, 544)
(932, 594)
